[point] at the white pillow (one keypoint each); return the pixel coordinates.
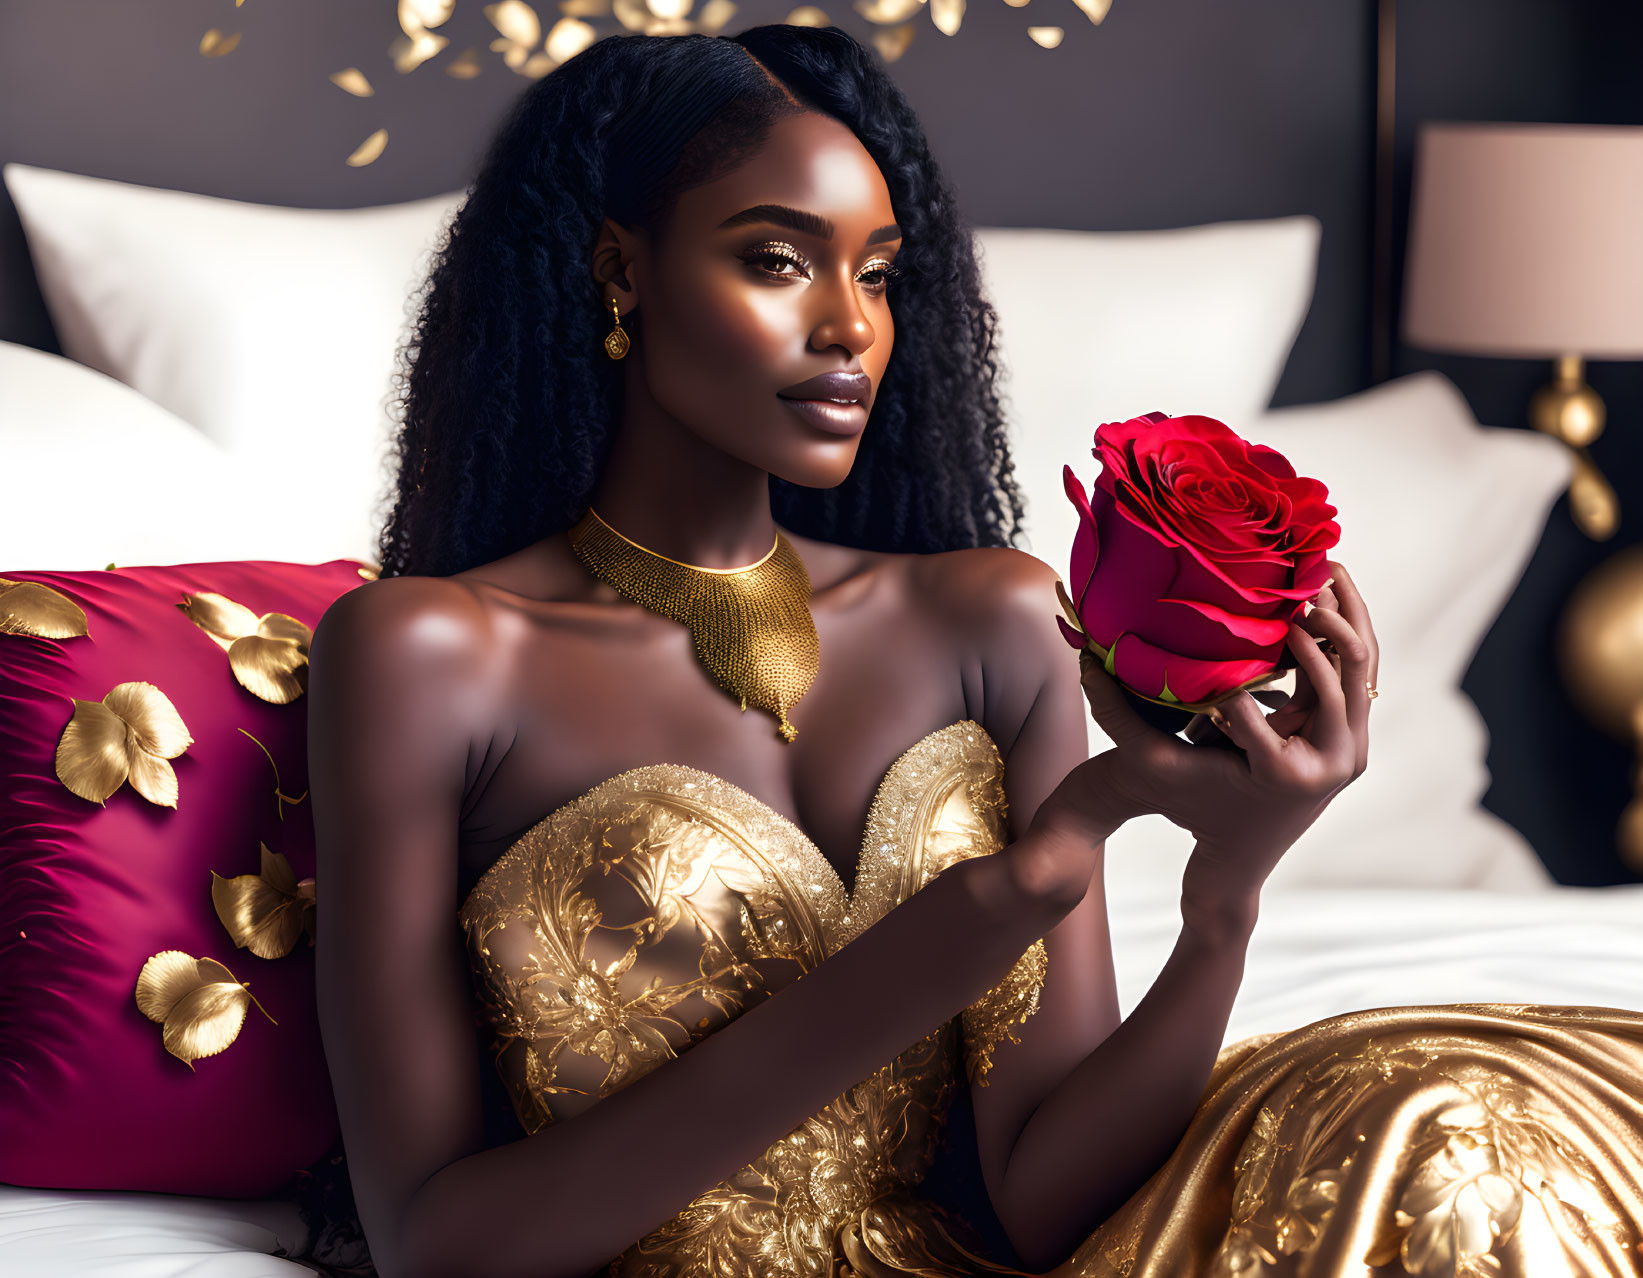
(1439, 517)
(97, 474)
(1099, 326)
(273, 330)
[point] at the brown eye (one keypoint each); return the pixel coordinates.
(772, 254)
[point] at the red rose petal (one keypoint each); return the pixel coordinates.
(1144, 667)
(1264, 631)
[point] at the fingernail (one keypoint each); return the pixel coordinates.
(1306, 607)
(1218, 718)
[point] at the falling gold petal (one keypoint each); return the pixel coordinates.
(567, 38)
(714, 15)
(892, 42)
(213, 44)
(408, 52)
(670, 8)
(369, 149)
(808, 15)
(465, 66)
(947, 15)
(419, 14)
(158, 728)
(264, 913)
(353, 81)
(200, 1003)
(220, 617)
(1016, 4)
(1095, 10)
(585, 8)
(91, 754)
(888, 12)
(516, 20)
(31, 608)
(1049, 37)
(154, 779)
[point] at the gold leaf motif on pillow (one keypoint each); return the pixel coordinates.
(128, 735)
(370, 571)
(198, 1001)
(32, 608)
(268, 654)
(266, 912)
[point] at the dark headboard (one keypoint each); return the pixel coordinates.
(1170, 113)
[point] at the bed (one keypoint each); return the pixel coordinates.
(1407, 891)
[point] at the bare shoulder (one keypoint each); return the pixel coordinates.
(991, 592)
(411, 633)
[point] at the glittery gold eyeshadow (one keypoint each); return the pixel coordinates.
(776, 250)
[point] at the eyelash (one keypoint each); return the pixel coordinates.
(786, 253)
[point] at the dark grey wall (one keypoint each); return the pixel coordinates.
(1171, 113)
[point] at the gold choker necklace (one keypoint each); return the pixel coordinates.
(752, 625)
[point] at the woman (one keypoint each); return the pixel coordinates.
(655, 450)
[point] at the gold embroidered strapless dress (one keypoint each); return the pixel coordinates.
(636, 920)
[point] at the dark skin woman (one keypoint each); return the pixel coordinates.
(487, 678)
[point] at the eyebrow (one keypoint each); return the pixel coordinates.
(804, 222)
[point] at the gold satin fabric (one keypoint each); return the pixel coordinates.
(642, 916)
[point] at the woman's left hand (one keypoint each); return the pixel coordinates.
(1247, 807)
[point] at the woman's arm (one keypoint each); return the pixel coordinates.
(401, 703)
(1116, 1118)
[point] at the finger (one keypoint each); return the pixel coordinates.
(1241, 718)
(1351, 658)
(1332, 730)
(1353, 608)
(1116, 717)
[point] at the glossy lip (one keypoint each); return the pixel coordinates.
(836, 419)
(837, 385)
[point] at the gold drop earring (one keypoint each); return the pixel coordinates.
(616, 341)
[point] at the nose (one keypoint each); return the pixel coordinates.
(844, 320)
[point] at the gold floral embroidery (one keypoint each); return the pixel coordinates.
(128, 735)
(637, 919)
(268, 654)
(199, 1001)
(34, 608)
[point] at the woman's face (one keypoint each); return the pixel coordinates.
(741, 301)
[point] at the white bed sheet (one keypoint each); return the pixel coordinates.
(1315, 953)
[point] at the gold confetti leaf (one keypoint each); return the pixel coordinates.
(370, 571)
(673, 9)
(1095, 10)
(465, 66)
(369, 149)
(585, 8)
(632, 14)
(213, 44)
(567, 38)
(886, 13)
(129, 734)
(516, 20)
(714, 15)
(1049, 37)
(808, 15)
(417, 15)
(353, 81)
(31, 608)
(266, 912)
(892, 42)
(947, 15)
(198, 1001)
(408, 52)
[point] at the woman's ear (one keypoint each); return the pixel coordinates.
(614, 253)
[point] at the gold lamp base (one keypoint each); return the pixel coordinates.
(1570, 410)
(1600, 658)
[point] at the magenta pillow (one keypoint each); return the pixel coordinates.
(136, 929)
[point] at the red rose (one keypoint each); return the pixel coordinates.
(1195, 549)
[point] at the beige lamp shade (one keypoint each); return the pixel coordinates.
(1526, 240)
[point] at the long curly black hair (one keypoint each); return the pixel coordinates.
(507, 404)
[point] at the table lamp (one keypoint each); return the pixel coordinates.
(1526, 240)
